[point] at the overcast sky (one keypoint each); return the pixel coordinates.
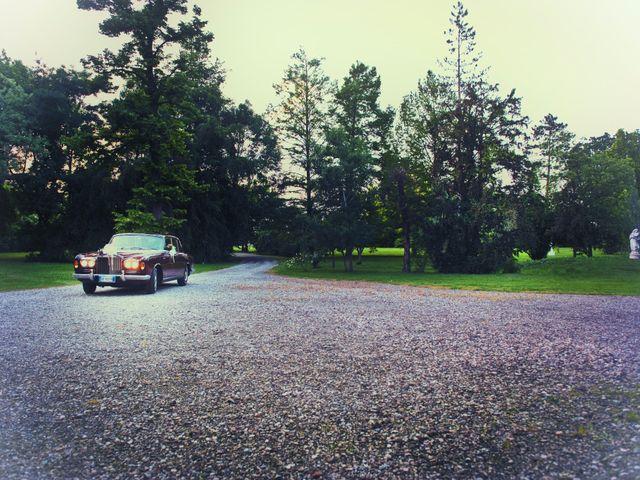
(578, 59)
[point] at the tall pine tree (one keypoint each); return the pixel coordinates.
(157, 68)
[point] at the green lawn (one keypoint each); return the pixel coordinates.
(16, 274)
(602, 274)
(252, 249)
(210, 267)
(398, 252)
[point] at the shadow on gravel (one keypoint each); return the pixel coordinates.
(131, 291)
(252, 257)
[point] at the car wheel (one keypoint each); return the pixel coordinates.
(185, 277)
(89, 287)
(152, 285)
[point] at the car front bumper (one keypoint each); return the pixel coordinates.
(123, 277)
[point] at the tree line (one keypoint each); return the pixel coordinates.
(142, 139)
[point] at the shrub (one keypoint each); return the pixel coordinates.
(303, 261)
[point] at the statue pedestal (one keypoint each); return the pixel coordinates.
(634, 256)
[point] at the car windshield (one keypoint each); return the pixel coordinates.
(135, 242)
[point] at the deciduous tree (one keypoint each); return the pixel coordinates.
(593, 207)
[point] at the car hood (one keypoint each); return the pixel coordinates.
(138, 253)
(126, 253)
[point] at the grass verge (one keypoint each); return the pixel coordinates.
(599, 275)
(16, 274)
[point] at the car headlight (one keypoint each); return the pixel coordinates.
(132, 264)
(88, 262)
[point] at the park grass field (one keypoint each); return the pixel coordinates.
(602, 274)
(252, 249)
(599, 275)
(18, 274)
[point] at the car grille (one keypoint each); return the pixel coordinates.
(108, 264)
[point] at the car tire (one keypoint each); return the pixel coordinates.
(152, 285)
(185, 277)
(89, 287)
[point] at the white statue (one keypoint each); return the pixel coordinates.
(552, 251)
(634, 244)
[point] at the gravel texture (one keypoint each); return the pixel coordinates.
(243, 374)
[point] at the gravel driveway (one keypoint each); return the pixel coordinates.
(243, 374)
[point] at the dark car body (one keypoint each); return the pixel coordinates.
(134, 259)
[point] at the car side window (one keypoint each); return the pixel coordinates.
(176, 243)
(167, 242)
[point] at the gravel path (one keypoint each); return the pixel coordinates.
(243, 374)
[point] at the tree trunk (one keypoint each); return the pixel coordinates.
(309, 204)
(151, 89)
(459, 65)
(406, 242)
(548, 179)
(157, 211)
(348, 260)
(359, 250)
(404, 214)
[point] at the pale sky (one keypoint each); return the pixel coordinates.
(578, 59)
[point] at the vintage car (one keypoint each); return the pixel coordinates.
(131, 259)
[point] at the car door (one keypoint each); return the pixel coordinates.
(184, 258)
(180, 257)
(175, 262)
(169, 260)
